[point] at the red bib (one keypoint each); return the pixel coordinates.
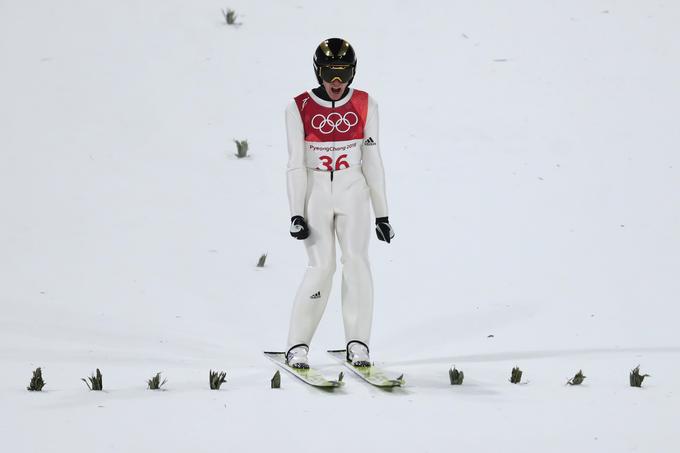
(326, 124)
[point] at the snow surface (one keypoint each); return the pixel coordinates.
(531, 152)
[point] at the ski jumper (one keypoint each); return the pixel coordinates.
(334, 169)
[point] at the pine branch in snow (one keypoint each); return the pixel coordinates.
(229, 16)
(516, 375)
(217, 379)
(260, 262)
(577, 379)
(155, 382)
(241, 148)
(37, 383)
(95, 381)
(456, 377)
(276, 380)
(636, 378)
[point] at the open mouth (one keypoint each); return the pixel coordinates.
(337, 90)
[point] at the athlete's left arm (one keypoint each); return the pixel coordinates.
(372, 164)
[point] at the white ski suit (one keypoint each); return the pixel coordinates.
(334, 168)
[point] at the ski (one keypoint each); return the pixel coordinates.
(370, 374)
(309, 375)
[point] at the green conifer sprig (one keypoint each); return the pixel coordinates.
(456, 377)
(217, 379)
(577, 379)
(276, 380)
(241, 148)
(261, 261)
(155, 382)
(37, 383)
(95, 381)
(636, 378)
(516, 375)
(229, 16)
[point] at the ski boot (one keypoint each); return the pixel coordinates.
(357, 354)
(296, 357)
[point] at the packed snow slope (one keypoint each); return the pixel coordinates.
(533, 178)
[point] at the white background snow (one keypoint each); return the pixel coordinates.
(531, 154)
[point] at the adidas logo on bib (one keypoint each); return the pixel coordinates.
(369, 141)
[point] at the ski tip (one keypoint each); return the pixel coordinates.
(335, 351)
(330, 384)
(274, 353)
(398, 382)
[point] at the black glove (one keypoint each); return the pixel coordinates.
(383, 229)
(298, 228)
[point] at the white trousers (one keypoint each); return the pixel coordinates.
(340, 207)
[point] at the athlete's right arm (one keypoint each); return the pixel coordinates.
(296, 168)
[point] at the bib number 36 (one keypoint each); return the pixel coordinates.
(340, 162)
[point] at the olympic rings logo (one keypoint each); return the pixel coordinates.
(334, 122)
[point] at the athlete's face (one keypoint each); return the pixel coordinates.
(335, 89)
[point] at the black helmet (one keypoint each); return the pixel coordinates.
(335, 58)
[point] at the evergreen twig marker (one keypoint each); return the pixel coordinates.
(636, 378)
(261, 261)
(577, 379)
(241, 148)
(37, 383)
(456, 377)
(276, 380)
(229, 16)
(155, 382)
(516, 375)
(95, 381)
(217, 379)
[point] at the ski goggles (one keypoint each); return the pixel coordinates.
(344, 73)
